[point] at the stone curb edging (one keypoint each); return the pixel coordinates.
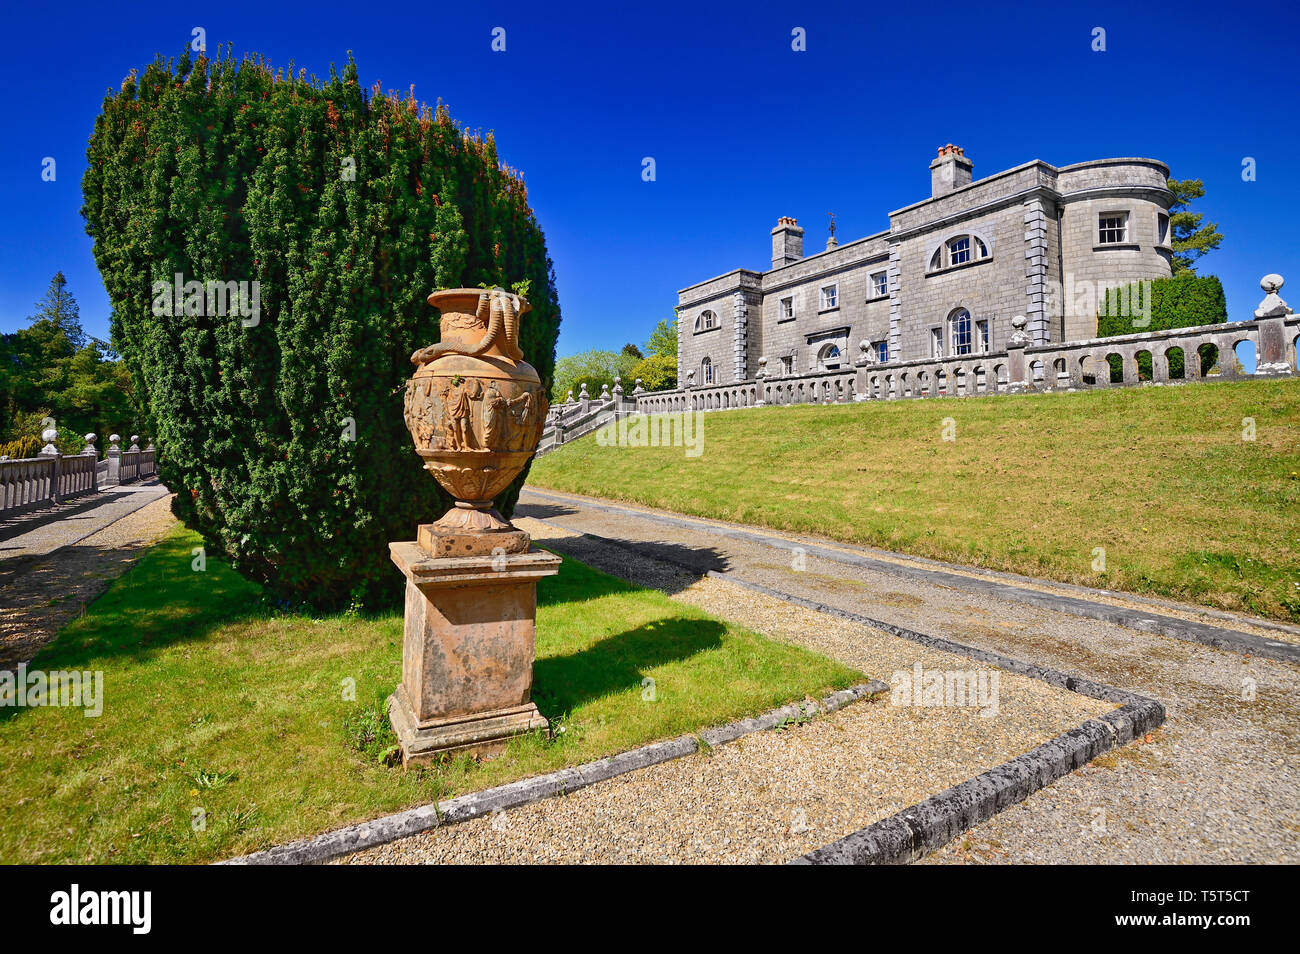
(916, 831)
(413, 821)
(1169, 626)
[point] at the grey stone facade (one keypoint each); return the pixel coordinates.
(950, 273)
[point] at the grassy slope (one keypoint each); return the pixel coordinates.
(1158, 476)
(203, 679)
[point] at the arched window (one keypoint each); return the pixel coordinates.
(958, 250)
(828, 359)
(706, 371)
(959, 332)
(706, 321)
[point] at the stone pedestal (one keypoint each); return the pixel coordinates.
(467, 653)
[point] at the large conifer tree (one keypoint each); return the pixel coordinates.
(347, 209)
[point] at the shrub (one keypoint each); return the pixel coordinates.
(1183, 302)
(280, 428)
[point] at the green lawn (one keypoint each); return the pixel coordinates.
(1159, 477)
(215, 700)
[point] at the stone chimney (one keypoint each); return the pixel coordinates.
(950, 171)
(787, 242)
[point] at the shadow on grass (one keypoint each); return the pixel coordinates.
(618, 663)
(161, 600)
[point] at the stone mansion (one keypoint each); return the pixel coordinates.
(945, 279)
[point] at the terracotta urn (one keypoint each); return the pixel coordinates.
(475, 408)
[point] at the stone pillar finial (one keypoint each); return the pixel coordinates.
(604, 392)
(90, 445)
(1273, 355)
(762, 368)
(1019, 338)
(582, 392)
(1272, 306)
(135, 443)
(113, 447)
(690, 378)
(49, 435)
(638, 389)
(569, 398)
(618, 386)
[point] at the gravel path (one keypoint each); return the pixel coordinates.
(1216, 785)
(774, 795)
(42, 593)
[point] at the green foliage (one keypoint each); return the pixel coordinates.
(657, 372)
(28, 446)
(1189, 239)
(53, 369)
(368, 731)
(663, 340)
(632, 351)
(347, 208)
(593, 368)
(1180, 302)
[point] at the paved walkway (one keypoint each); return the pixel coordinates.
(1217, 784)
(55, 561)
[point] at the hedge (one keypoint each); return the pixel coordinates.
(283, 439)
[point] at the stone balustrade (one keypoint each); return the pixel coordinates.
(52, 477)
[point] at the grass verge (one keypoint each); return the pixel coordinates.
(229, 725)
(1185, 492)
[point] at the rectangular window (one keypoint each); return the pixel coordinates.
(982, 335)
(879, 284)
(787, 309)
(830, 297)
(936, 342)
(959, 251)
(882, 352)
(1112, 228)
(1162, 229)
(787, 365)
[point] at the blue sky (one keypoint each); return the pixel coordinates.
(742, 128)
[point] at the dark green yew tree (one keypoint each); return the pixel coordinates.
(279, 423)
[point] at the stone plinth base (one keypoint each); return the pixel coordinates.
(483, 733)
(467, 653)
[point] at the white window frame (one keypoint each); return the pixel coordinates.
(882, 352)
(982, 335)
(936, 343)
(966, 252)
(787, 365)
(879, 284)
(960, 333)
(829, 297)
(1103, 229)
(786, 309)
(706, 369)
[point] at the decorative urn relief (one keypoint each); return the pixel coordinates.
(475, 408)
